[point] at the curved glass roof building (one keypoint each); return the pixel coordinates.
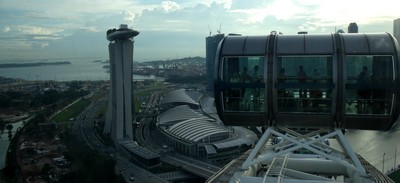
(185, 126)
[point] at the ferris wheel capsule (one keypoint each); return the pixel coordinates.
(347, 81)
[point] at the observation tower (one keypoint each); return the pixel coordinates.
(119, 115)
(305, 91)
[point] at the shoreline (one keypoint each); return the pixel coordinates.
(35, 64)
(11, 80)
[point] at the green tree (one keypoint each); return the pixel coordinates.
(75, 85)
(50, 97)
(46, 169)
(5, 101)
(9, 127)
(89, 165)
(2, 125)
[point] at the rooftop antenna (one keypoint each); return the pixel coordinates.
(209, 29)
(219, 30)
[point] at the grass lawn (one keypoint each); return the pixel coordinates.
(101, 112)
(146, 93)
(137, 94)
(72, 111)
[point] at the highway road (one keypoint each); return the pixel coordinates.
(85, 125)
(128, 170)
(196, 167)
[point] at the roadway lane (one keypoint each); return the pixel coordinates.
(127, 169)
(85, 125)
(195, 167)
(85, 122)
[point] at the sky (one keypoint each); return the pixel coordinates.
(64, 29)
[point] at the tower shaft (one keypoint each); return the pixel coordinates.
(120, 108)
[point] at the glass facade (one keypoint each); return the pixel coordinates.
(369, 84)
(304, 84)
(244, 79)
(347, 81)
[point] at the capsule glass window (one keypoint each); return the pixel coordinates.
(244, 84)
(304, 84)
(369, 84)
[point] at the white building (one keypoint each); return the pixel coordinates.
(119, 114)
(396, 29)
(183, 125)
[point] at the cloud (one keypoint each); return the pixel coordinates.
(248, 4)
(284, 10)
(167, 28)
(6, 29)
(364, 12)
(151, 45)
(315, 15)
(226, 4)
(128, 15)
(40, 45)
(169, 6)
(46, 37)
(70, 7)
(40, 15)
(90, 29)
(27, 29)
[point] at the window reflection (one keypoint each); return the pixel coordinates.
(243, 69)
(244, 99)
(304, 84)
(244, 79)
(369, 84)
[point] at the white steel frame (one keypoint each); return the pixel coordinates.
(281, 162)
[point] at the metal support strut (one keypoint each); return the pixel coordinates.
(284, 155)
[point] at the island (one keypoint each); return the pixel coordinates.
(35, 64)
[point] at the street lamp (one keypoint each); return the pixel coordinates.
(383, 163)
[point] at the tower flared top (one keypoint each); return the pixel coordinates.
(122, 33)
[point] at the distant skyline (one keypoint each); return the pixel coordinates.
(48, 29)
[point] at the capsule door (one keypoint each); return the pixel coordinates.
(242, 90)
(304, 92)
(370, 67)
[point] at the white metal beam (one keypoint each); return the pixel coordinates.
(323, 163)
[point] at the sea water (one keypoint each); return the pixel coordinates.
(79, 69)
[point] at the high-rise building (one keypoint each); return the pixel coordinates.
(396, 29)
(353, 28)
(212, 43)
(120, 108)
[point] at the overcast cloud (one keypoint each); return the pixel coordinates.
(46, 29)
